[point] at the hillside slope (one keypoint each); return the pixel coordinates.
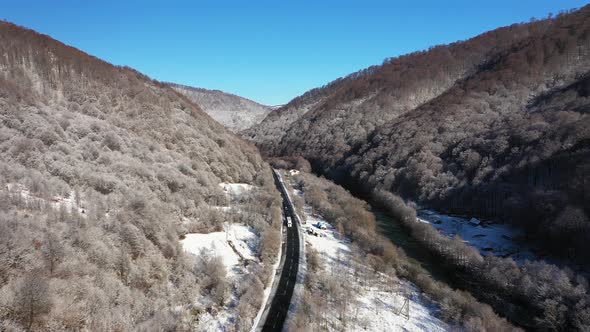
(102, 170)
(495, 126)
(234, 112)
(329, 121)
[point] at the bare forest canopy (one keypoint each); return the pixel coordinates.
(102, 171)
(496, 126)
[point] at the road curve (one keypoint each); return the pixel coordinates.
(279, 308)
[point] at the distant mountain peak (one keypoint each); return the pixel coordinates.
(234, 112)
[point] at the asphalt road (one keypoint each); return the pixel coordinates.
(282, 299)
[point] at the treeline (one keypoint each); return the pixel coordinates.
(537, 295)
(352, 217)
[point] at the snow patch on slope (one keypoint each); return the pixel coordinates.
(243, 238)
(235, 190)
(217, 244)
(497, 239)
(234, 112)
(377, 306)
(56, 202)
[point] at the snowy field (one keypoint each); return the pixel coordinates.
(497, 239)
(235, 190)
(242, 237)
(235, 245)
(377, 305)
(217, 244)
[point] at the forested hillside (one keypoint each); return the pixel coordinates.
(336, 117)
(495, 126)
(234, 112)
(102, 170)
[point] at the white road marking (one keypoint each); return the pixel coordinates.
(275, 324)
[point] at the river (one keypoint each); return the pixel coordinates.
(401, 237)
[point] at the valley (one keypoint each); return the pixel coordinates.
(445, 189)
(498, 133)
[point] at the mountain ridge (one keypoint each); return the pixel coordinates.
(234, 112)
(102, 172)
(445, 126)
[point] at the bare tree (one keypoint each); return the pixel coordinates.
(32, 299)
(215, 274)
(53, 251)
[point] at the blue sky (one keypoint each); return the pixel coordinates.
(268, 51)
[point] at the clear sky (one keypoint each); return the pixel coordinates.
(268, 51)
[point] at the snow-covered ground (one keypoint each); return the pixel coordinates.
(497, 239)
(327, 243)
(217, 244)
(56, 202)
(235, 190)
(298, 192)
(376, 306)
(235, 245)
(243, 238)
(234, 112)
(379, 307)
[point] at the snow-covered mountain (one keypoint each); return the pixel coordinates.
(234, 112)
(131, 168)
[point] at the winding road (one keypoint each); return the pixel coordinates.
(281, 301)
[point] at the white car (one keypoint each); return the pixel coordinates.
(289, 224)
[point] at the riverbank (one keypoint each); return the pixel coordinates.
(536, 295)
(354, 219)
